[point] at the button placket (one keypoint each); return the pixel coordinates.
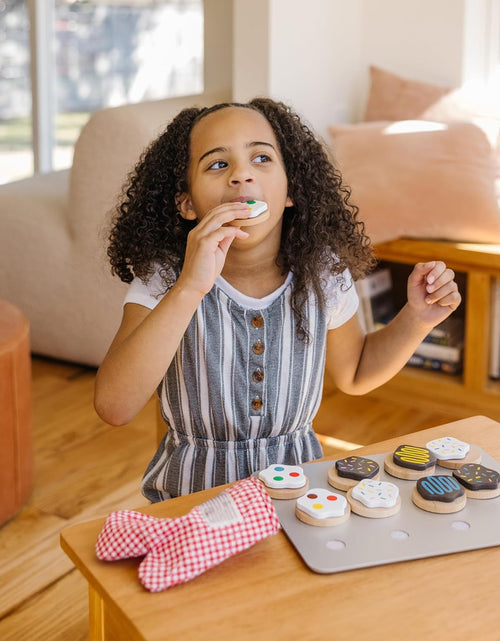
(256, 360)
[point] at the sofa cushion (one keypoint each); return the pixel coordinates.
(420, 179)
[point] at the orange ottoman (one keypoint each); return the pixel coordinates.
(16, 446)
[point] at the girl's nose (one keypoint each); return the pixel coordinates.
(241, 174)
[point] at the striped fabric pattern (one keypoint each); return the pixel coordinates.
(240, 394)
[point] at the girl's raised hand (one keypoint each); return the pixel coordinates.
(432, 292)
(208, 244)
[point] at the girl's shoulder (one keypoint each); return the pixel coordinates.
(150, 292)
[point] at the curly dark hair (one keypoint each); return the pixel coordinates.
(321, 232)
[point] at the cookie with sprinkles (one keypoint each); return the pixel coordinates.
(322, 508)
(374, 499)
(441, 494)
(410, 462)
(452, 453)
(349, 471)
(480, 482)
(284, 481)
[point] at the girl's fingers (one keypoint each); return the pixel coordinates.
(446, 295)
(221, 215)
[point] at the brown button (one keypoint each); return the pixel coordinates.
(257, 321)
(257, 403)
(258, 347)
(258, 376)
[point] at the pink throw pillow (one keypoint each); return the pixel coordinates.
(392, 97)
(420, 179)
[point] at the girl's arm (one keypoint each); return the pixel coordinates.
(359, 363)
(147, 340)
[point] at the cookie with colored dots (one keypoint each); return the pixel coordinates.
(284, 481)
(374, 499)
(410, 462)
(480, 482)
(452, 453)
(348, 471)
(322, 508)
(441, 494)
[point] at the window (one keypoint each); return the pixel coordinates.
(94, 54)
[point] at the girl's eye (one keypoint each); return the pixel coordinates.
(261, 158)
(218, 164)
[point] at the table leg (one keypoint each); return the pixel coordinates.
(96, 616)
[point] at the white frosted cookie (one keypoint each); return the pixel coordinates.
(374, 499)
(284, 481)
(453, 453)
(322, 508)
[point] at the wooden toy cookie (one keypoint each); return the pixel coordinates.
(479, 482)
(410, 462)
(259, 213)
(284, 481)
(322, 508)
(348, 471)
(439, 494)
(374, 499)
(452, 453)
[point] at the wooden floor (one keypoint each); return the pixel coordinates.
(85, 469)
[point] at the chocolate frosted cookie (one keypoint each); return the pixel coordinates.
(348, 471)
(410, 462)
(480, 482)
(439, 494)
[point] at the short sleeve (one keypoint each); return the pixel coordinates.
(341, 299)
(147, 294)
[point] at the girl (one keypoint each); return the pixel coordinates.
(233, 324)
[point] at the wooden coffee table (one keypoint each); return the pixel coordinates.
(267, 593)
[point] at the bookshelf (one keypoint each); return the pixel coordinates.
(473, 391)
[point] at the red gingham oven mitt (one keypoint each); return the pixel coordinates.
(177, 550)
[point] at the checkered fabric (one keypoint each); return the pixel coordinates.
(177, 550)
(127, 534)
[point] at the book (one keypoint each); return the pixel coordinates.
(435, 364)
(375, 298)
(494, 364)
(449, 353)
(449, 332)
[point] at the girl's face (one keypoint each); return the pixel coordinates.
(234, 156)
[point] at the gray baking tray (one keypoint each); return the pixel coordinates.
(411, 534)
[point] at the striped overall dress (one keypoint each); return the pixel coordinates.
(241, 392)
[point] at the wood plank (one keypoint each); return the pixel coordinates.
(59, 613)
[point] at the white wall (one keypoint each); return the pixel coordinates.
(315, 54)
(422, 40)
(307, 54)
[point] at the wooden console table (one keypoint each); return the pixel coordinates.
(474, 391)
(266, 593)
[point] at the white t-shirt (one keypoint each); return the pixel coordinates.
(340, 294)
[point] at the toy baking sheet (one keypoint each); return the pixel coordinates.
(411, 534)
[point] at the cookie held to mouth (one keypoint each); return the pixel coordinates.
(259, 212)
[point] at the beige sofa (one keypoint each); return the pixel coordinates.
(53, 234)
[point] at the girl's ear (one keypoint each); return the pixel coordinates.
(289, 202)
(185, 207)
